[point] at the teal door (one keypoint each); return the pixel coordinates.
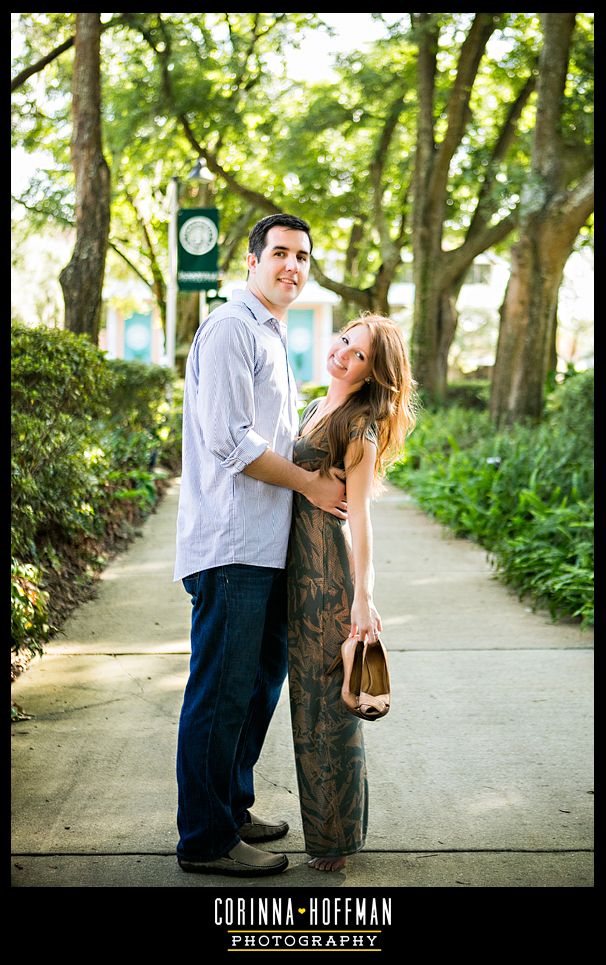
(301, 342)
(138, 338)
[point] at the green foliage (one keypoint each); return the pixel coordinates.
(310, 391)
(60, 385)
(139, 413)
(86, 436)
(170, 433)
(571, 407)
(135, 391)
(29, 609)
(226, 77)
(525, 494)
(469, 393)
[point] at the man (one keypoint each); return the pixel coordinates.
(239, 425)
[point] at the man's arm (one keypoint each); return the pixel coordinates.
(325, 492)
(227, 372)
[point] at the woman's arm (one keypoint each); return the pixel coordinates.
(364, 617)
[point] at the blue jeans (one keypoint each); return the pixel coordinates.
(237, 668)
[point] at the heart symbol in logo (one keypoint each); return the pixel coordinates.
(301, 910)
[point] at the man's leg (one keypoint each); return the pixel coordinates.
(268, 686)
(228, 622)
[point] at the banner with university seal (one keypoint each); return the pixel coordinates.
(197, 249)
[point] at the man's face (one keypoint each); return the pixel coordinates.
(278, 276)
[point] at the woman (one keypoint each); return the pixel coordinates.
(359, 426)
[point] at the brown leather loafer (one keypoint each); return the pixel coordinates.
(257, 830)
(243, 861)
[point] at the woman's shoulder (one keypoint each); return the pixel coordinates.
(361, 427)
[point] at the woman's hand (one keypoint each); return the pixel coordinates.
(365, 620)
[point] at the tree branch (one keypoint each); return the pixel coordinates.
(238, 231)
(470, 56)
(483, 210)
(20, 78)
(360, 296)
(571, 210)
(375, 173)
(132, 266)
(159, 285)
(553, 65)
(243, 69)
(61, 219)
(355, 237)
(428, 34)
(457, 261)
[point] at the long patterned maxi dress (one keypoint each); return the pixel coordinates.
(328, 740)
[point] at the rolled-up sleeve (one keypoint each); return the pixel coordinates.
(226, 402)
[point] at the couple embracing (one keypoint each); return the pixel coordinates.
(274, 548)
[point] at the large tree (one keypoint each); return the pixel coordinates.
(556, 203)
(415, 117)
(82, 278)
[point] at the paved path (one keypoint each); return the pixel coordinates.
(480, 776)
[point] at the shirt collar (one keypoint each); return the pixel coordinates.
(261, 313)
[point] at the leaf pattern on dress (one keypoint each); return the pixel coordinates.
(328, 740)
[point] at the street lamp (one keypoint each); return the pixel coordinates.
(201, 172)
(199, 180)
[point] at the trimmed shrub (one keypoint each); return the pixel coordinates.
(170, 433)
(60, 386)
(87, 437)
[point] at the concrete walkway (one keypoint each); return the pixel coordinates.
(481, 775)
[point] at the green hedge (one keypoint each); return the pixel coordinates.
(92, 442)
(526, 494)
(59, 385)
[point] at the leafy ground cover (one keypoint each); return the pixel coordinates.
(525, 494)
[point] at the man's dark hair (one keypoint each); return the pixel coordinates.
(256, 239)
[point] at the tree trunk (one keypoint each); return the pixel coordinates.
(550, 220)
(425, 334)
(434, 312)
(521, 359)
(379, 292)
(188, 319)
(552, 358)
(82, 279)
(526, 333)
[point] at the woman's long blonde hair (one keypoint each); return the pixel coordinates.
(386, 403)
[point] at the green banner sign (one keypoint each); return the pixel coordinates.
(197, 249)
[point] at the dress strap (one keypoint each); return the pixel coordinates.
(311, 408)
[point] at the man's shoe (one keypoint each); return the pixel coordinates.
(257, 830)
(243, 860)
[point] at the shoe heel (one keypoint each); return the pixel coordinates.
(375, 687)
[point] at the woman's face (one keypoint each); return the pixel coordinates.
(349, 359)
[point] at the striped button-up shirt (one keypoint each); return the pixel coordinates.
(239, 400)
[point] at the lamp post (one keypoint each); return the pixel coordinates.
(202, 179)
(171, 288)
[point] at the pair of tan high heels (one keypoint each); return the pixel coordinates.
(366, 690)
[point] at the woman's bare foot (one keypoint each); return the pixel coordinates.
(327, 864)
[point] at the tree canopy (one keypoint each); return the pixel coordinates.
(347, 153)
